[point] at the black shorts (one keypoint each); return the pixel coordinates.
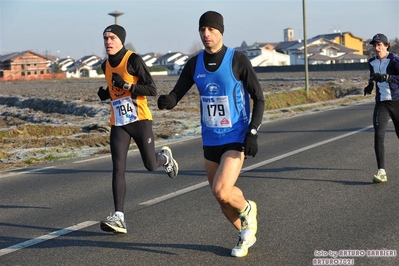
(214, 153)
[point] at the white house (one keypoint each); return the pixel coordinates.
(149, 59)
(173, 61)
(323, 51)
(265, 57)
(264, 54)
(64, 63)
(83, 67)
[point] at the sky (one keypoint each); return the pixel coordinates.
(74, 28)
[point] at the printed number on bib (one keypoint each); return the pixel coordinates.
(125, 112)
(216, 111)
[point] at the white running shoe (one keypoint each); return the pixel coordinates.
(380, 177)
(241, 249)
(171, 166)
(114, 224)
(249, 222)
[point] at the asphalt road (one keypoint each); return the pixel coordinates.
(311, 180)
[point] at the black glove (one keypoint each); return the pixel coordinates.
(118, 81)
(369, 88)
(380, 77)
(103, 94)
(250, 145)
(166, 101)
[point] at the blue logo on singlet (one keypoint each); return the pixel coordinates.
(212, 88)
(131, 116)
(208, 100)
(117, 102)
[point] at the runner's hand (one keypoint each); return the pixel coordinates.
(103, 94)
(369, 88)
(118, 81)
(380, 77)
(166, 102)
(250, 145)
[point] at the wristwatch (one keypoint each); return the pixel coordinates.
(126, 86)
(253, 131)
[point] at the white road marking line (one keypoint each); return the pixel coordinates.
(67, 230)
(254, 166)
(136, 150)
(174, 194)
(92, 159)
(251, 167)
(26, 172)
(43, 238)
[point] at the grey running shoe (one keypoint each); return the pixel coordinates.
(249, 223)
(241, 249)
(171, 166)
(380, 177)
(114, 224)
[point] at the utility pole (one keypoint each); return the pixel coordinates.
(305, 50)
(116, 14)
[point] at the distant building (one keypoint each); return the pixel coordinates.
(25, 65)
(289, 35)
(173, 61)
(149, 59)
(346, 39)
(323, 51)
(264, 54)
(64, 63)
(332, 48)
(83, 67)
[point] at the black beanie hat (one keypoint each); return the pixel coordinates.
(211, 19)
(118, 31)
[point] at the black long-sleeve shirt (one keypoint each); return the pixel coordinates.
(242, 70)
(135, 66)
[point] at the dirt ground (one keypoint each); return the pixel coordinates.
(42, 121)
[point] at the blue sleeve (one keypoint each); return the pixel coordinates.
(393, 70)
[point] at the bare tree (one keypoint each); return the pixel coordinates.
(394, 46)
(130, 46)
(196, 47)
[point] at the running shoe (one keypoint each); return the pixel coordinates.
(249, 223)
(171, 166)
(241, 249)
(114, 224)
(380, 177)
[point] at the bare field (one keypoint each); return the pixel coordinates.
(42, 121)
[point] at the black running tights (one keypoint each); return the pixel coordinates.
(382, 112)
(120, 138)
